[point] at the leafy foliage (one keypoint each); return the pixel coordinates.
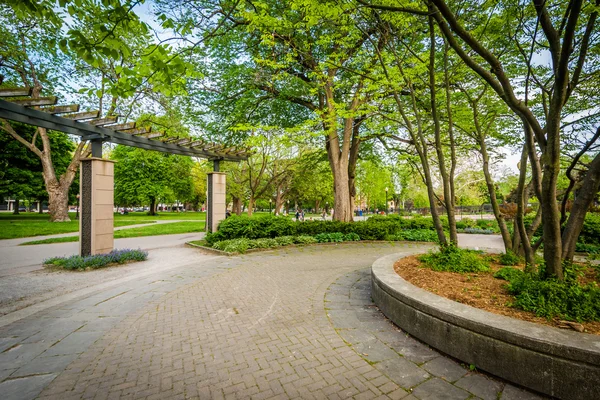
(98, 260)
(453, 259)
(509, 258)
(551, 298)
(415, 235)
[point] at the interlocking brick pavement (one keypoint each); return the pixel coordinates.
(260, 330)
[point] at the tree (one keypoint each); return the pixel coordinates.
(292, 54)
(32, 37)
(147, 177)
(566, 31)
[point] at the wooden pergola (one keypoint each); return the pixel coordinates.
(96, 182)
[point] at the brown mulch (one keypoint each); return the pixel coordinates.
(480, 290)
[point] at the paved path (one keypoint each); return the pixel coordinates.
(292, 323)
(16, 259)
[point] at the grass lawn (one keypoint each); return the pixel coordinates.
(158, 229)
(164, 215)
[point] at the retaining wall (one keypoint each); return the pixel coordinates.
(556, 362)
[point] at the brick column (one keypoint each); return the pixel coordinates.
(97, 202)
(215, 211)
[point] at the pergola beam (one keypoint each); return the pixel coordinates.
(70, 108)
(15, 112)
(15, 92)
(83, 115)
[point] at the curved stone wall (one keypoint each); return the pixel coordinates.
(556, 362)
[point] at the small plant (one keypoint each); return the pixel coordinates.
(479, 231)
(304, 239)
(452, 259)
(351, 237)
(97, 260)
(509, 258)
(284, 240)
(508, 273)
(233, 245)
(335, 237)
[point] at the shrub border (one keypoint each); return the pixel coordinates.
(559, 363)
(249, 251)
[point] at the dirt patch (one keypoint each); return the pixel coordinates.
(480, 290)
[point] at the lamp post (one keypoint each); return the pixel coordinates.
(270, 202)
(77, 211)
(386, 205)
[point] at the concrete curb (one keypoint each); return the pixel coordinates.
(559, 363)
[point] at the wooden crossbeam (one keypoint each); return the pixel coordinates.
(197, 143)
(15, 92)
(69, 108)
(83, 115)
(136, 131)
(154, 135)
(42, 101)
(171, 139)
(120, 127)
(183, 142)
(103, 121)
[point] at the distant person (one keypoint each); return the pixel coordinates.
(302, 215)
(297, 215)
(227, 214)
(324, 215)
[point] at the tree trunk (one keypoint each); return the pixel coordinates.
(236, 205)
(521, 207)
(152, 206)
(58, 202)
(582, 203)
(492, 192)
(251, 206)
(17, 205)
(341, 192)
(41, 206)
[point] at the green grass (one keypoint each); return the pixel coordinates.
(12, 229)
(164, 215)
(153, 230)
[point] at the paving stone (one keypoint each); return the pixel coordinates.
(481, 386)
(8, 342)
(375, 351)
(511, 392)
(45, 365)
(55, 332)
(445, 368)
(414, 350)
(438, 389)
(403, 372)
(355, 336)
(25, 388)
(21, 354)
(75, 343)
(5, 373)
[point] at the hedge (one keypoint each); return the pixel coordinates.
(270, 226)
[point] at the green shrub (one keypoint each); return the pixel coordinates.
(552, 298)
(417, 235)
(263, 243)
(487, 224)
(465, 223)
(508, 273)
(284, 240)
(509, 258)
(260, 226)
(97, 260)
(336, 237)
(587, 248)
(233, 245)
(453, 259)
(351, 237)
(304, 239)
(590, 231)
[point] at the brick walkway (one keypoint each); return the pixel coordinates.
(293, 323)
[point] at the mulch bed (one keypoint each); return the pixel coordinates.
(480, 290)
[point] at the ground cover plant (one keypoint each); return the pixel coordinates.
(453, 259)
(97, 261)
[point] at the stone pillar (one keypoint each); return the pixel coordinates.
(97, 202)
(215, 211)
